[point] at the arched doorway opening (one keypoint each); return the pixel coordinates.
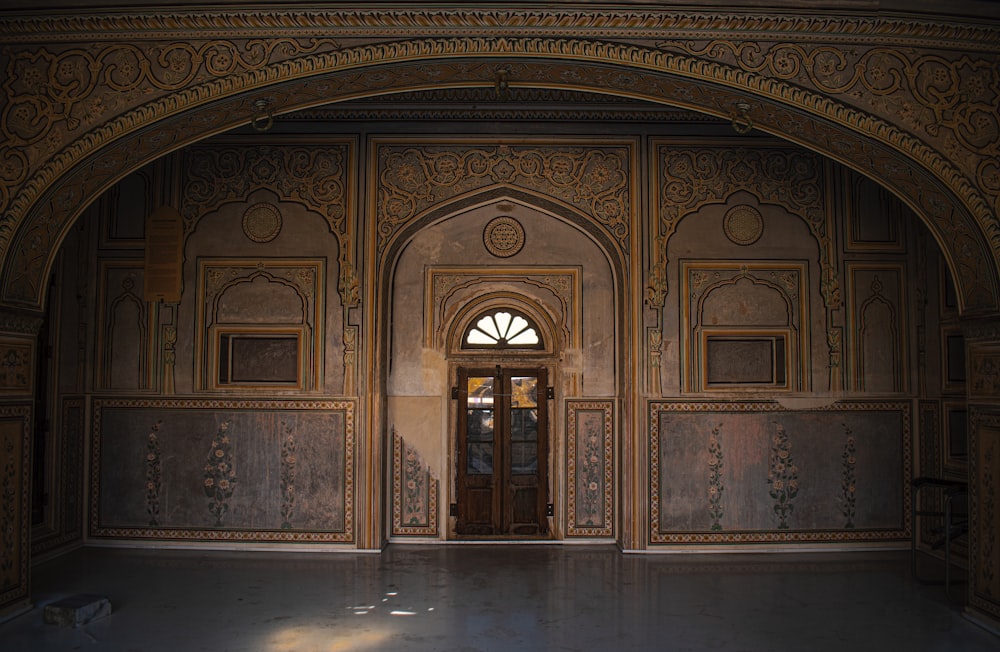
(502, 365)
(538, 321)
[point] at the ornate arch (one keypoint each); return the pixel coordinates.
(48, 179)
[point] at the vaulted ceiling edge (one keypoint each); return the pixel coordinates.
(65, 104)
(637, 23)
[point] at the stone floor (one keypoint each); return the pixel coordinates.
(494, 597)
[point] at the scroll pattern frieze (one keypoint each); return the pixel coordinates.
(949, 99)
(412, 179)
(951, 201)
(693, 178)
(317, 176)
(314, 175)
(55, 95)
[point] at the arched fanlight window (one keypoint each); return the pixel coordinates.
(502, 329)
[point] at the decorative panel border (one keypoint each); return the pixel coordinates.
(444, 283)
(865, 197)
(790, 279)
(884, 289)
(984, 487)
(414, 493)
(785, 477)
(307, 279)
(67, 487)
(131, 277)
(984, 372)
(590, 468)
(17, 364)
(291, 457)
(593, 176)
(15, 503)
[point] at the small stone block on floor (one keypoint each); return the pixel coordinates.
(77, 610)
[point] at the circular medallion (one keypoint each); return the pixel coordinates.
(262, 222)
(743, 224)
(503, 236)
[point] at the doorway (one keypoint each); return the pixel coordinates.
(502, 456)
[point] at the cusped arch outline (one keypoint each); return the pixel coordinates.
(950, 204)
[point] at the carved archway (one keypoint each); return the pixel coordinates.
(955, 209)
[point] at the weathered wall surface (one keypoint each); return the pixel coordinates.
(781, 298)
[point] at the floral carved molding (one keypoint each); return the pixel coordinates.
(316, 176)
(690, 179)
(594, 180)
(131, 96)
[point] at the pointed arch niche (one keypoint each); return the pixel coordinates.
(444, 280)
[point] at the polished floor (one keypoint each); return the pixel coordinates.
(493, 597)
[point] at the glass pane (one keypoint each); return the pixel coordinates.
(480, 391)
(477, 336)
(524, 338)
(479, 425)
(503, 323)
(523, 392)
(487, 325)
(523, 458)
(524, 425)
(480, 459)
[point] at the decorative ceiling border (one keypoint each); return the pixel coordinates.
(642, 73)
(972, 34)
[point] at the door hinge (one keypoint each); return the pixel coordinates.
(550, 509)
(550, 392)
(454, 392)
(453, 509)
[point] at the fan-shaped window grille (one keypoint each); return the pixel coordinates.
(502, 329)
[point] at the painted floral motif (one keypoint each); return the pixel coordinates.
(153, 475)
(590, 492)
(220, 476)
(715, 486)
(288, 462)
(414, 492)
(848, 482)
(782, 476)
(989, 520)
(414, 488)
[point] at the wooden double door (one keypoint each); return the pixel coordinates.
(502, 456)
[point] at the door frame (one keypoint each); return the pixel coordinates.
(503, 497)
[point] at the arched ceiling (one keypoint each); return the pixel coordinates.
(921, 121)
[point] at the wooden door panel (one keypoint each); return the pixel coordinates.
(501, 479)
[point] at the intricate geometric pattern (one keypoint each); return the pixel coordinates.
(503, 237)
(262, 222)
(743, 225)
(594, 179)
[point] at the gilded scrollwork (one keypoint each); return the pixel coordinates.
(949, 99)
(313, 175)
(693, 178)
(34, 185)
(593, 179)
(53, 95)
